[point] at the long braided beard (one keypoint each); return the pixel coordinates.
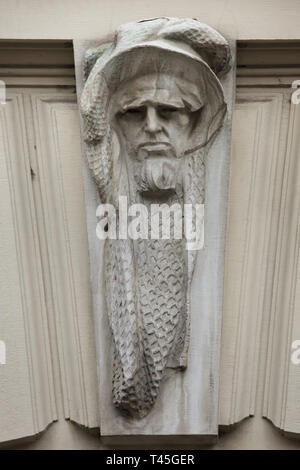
(147, 291)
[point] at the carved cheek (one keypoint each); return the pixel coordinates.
(129, 129)
(183, 119)
(178, 125)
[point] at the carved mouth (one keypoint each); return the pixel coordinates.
(154, 147)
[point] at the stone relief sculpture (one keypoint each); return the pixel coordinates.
(151, 106)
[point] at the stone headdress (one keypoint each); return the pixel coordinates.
(106, 67)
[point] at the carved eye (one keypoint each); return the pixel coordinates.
(166, 111)
(134, 112)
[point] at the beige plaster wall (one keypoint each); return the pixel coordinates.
(85, 19)
(252, 434)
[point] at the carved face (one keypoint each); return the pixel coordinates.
(154, 117)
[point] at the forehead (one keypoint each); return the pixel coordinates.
(157, 88)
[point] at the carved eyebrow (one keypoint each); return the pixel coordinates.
(141, 103)
(127, 107)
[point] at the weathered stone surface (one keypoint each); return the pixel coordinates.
(152, 106)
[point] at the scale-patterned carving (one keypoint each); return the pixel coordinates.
(147, 308)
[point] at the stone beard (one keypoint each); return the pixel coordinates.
(147, 280)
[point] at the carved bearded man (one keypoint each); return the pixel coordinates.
(151, 105)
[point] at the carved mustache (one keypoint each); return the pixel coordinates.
(155, 146)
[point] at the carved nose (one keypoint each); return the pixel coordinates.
(152, 121)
